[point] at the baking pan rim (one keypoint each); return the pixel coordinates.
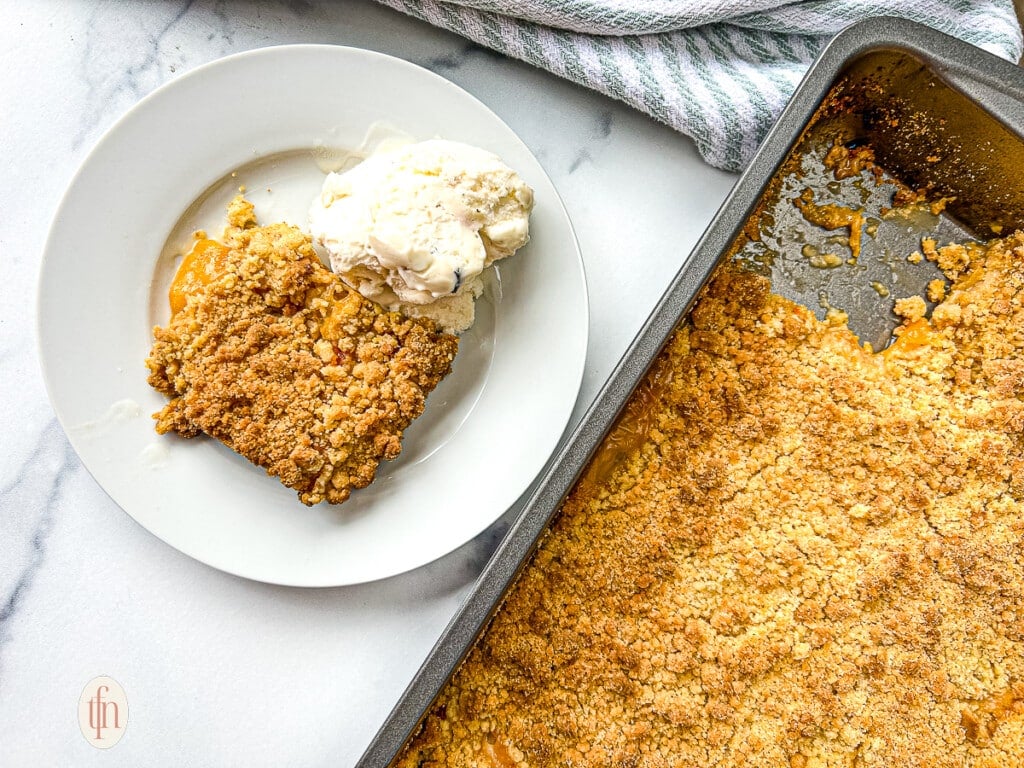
(963, 66)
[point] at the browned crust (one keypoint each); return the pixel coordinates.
(282, 362)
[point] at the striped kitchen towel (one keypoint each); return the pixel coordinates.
(719, 71)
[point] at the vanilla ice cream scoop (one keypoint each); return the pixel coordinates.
(413, 228)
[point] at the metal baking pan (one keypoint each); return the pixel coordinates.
(939, 114)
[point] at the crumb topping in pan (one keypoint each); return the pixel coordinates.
(272, 354)
(790, 552)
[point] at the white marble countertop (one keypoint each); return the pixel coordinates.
(219, 670)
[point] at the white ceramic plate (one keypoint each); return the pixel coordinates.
(166, 167)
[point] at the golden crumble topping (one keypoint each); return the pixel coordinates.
(272, 354)
(790, 552)
(910, 308)
(936, 290)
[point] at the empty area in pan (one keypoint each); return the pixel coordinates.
(943, 170)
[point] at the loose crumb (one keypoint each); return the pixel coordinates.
(928, 245)
(830, 216)
(911, 308)
(936, 290)
(820, 260)
(846, 162)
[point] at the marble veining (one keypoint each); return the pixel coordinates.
(208, 661)
(456, 59)
(582, 156)
(27, 509)
(137, 68)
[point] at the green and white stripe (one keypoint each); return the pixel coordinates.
(719, 71)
